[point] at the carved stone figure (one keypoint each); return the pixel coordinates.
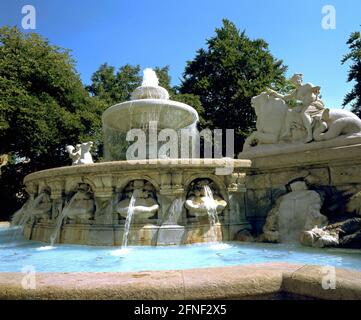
(198, 202)
(294, 213)
(333, 123)
(42, 206)
(271, 114)
(81, 207)
(145, 205)
(307, 120)
(74, 153)
(307, 95)
(345, 234)
(81, 153)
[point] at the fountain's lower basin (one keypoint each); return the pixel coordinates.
(15, 253)
(102, 188)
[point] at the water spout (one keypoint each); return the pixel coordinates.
(150, 88)
(59, 221)
(128, 220)
(150, 78)
(211, 210)
(175, 211)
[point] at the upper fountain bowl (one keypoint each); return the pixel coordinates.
(149, 102)
(137, 114)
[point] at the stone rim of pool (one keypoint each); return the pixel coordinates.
(251, 281)
(239, 282)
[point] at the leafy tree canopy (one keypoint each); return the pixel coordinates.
(43, 107)
(354, 57)
(227, 74)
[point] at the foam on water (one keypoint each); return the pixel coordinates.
(120, 252)
(45, 248)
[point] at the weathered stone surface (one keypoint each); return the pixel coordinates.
(258, 181)
(125, 286)
(244, 236)
(154, 285)
(333, 172)
(259, 202)
(308, 281)
(210, 283)
(345, 174)
(108, 182)
(346, 154)
(292, 214)
(232, 282)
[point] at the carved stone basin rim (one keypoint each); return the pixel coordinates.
(121, 166)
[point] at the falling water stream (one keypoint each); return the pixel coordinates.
(212, 211)
(60, 219)
(175, 211)
(128, 220)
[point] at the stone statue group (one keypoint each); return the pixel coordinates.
(80, 154)
(298, 116)
(296, 217)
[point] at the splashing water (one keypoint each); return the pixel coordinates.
(119, 252)
(45, 248)
(211, 210)
(150, 78)
(128, 220)
(175, 211)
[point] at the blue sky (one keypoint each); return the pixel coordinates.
(168, 32)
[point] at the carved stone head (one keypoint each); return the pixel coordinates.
(297, 79)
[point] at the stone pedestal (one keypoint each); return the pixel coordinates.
(170, 235)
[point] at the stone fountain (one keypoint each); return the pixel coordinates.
(301, 182)
(146, 199)
(305, 181)
(150, 110)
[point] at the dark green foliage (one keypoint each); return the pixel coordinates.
(227, 74)
(354, 57)
(114, 87)
(43, 107)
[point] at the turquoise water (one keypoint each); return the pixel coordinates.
(16, 253)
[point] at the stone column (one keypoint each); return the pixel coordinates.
(104, 203)
(57, 197)
(104, 198)
(237, 204)
(171, 189)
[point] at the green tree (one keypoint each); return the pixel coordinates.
(114, 87)
(227, 74)
(43, 107)
(354, 74)
(174, 94)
